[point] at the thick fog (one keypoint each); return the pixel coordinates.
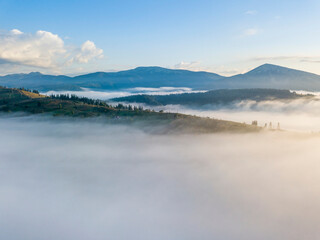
(295, 115)
(87, 180)
(105, 95)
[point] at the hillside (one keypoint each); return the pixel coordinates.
(17, 100)
(265, 76)
(215, 97)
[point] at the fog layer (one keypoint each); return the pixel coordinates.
(295, 115)
(105, 95)
(80, 180)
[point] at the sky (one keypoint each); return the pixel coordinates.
(222, 36)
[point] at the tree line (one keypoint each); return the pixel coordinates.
(96, 102)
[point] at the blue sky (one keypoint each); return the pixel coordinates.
(226, 37)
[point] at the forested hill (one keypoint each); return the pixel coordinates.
(23, 101)
(223, 96)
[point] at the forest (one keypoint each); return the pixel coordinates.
(223, 96)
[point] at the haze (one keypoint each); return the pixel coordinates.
(294, 115)
(87, 180)
(236, 159)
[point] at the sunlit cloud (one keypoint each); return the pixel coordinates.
(43, 49)
(88, 52)
(195, 65)
(16, 32)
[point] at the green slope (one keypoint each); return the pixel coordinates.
(15, 100)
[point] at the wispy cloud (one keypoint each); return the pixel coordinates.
(195, 65)
(251, 31)
(251, 12)
(218, 69)
(300, 58)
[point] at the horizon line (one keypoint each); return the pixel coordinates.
(153, 66)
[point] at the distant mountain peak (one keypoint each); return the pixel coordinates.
(157, 69)
(269, 67)
(154, 69)
(148, 67)
(276, 69)
(34, 74)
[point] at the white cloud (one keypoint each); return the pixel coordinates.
(38, 50)
(43, 50)
(88, 52)
(16, 31)
(188, 65)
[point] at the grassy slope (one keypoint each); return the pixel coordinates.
(14, 100)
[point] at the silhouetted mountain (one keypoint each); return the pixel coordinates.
(265, 76)
(138, 77)
(36, 80)
(147, 77)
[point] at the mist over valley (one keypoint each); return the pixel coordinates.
(159, 120)
(66, 179)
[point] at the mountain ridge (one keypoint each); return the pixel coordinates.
(263, 76)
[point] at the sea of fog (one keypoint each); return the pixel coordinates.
(296, 115)
(84, 180)
(105, 95)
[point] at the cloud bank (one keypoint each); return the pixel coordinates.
(301, 115)
(105, 95)
(43, 49)
(77, 180)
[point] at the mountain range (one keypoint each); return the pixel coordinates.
(264, 76)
